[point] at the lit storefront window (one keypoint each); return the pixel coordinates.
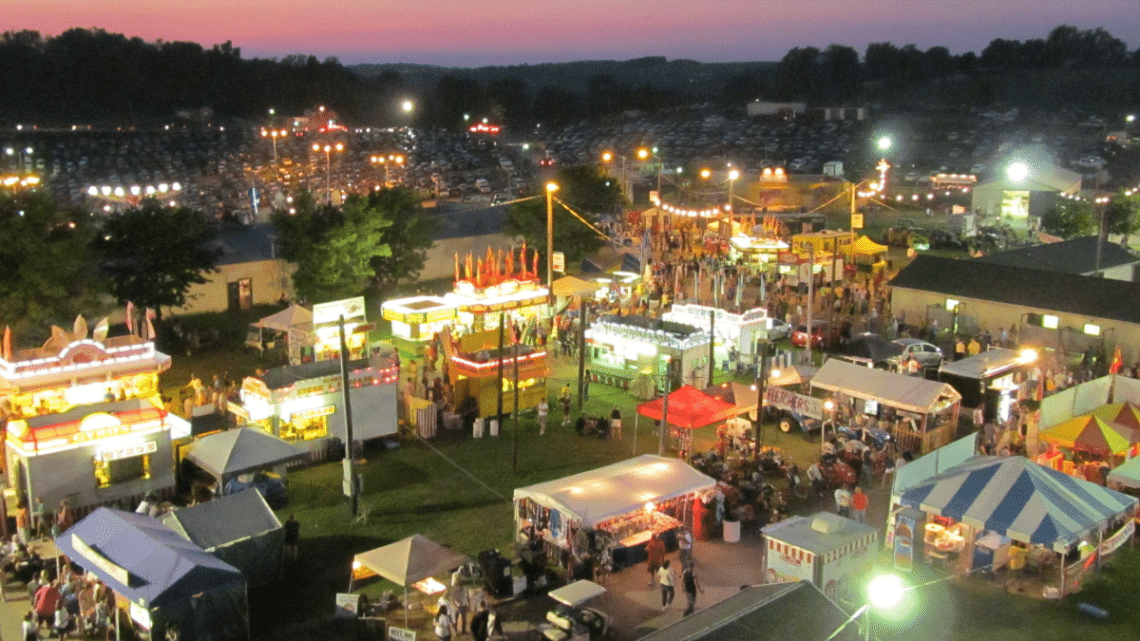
(113, 472)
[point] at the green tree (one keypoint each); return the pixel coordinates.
(1068, 219)
(1123, 215)
(47, 271)
(408, 235)
(152, 254)
(588, 191)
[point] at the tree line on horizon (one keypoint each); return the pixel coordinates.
(91, 76)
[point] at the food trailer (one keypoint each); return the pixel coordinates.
(739, 332)
(829, 550)
(989, 379)
(757, 254)
(326, 329)
(619, 506)
(621, 348)
(416, 320)
(303, 404)
(498, 284)
(85, 419)
(475, 368)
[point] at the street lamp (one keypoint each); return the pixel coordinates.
(884, 592)
(1017, 171)
(407, 106)
(761, 383)
(273, 134)
(607, 157)
(386, 161)
(550, 189)
(732, 176)
(645, 154)
(811, 299)
(328, 149)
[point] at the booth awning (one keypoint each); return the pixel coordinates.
(1089, 433)
(1127, 475)
(573, 286)
(410, 560)
(1125, 414)
(991, 362)
(240, 450)
(292, 318)
(867, 247)
(896, 390)
(689, 408)
(935, 462)
(1020, 499)
(617, 489)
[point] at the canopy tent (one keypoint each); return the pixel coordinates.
(985, 364)
(239, 529)
(934, 463)
(689, 408)
(574, 286)
(797, 375)
(1125, 414)
(1019, 499)
(903, 392)
(409, 561)
(867, 247)
(239, 450)
(742, 397)
(1092, 434)
(294, 321)
(869, 348)
(613, 490)
(1127, 475)
(177, 585)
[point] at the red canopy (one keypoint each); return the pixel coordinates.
(689, 408)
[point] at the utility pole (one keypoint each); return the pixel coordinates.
(712, 344)
(581, 350)
(349, 481)
(665, 407)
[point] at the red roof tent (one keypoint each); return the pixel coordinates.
(689, 408)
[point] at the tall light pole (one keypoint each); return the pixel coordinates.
(646, 154)
(811, 300)
(733, 174)
(607, 157)
(328, 149)
(273, 134)
(550, 189)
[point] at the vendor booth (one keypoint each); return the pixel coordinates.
(415, 561)
(1092, 443)
(475, 368)
(303, 404)
(921, 415)
(735, 333)
(868, 256)
(623, 347)
(688, 409)
(327, 339)
(289, 331)
(831, 551)
(238, 529)
(85, 419)
(170, 587)
(796, 267)
(616, 286)
(497, 284)
(416, 320)
(986, 510)
(618, 506)
(989, 379)
(756, 254)
(241, 450)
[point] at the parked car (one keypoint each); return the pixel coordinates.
(823, 335)
(926, 354)
(776, 330)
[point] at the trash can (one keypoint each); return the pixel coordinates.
(731, 531)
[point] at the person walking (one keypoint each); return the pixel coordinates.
(667, 580)
(564, 401)
(691, 586)
(685, 545)
(859, 504)
(444, 626)
(543, 411)
(655, 556)
(842, 502)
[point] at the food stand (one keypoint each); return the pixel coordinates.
(475, 366)
(302, 404)
(621, 348)
(416, 320)
(1064, 526)
(988, 379)
(497, 284)
(293, 325)
(757, 254)
(829, 550)
(739, 332)
(796, 267)
(85, 419)
(921, 415)
(327, 331)
(620, 505)
(868, 256)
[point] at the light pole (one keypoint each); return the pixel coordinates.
(386, 161)
(273, 134)
(1102, 204)
(733, 174)
(608, 156)
(811, 300)
(328, 149)
(761, 383)
(550, 189)
(645, 154)
(884, 592)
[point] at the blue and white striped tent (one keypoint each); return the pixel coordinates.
(1020, 499)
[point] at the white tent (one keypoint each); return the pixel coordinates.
(294, 321)
(409, 561)
(621, 488)
(908, 393)
(240, 450)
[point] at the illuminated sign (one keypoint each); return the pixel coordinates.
(788, 400)
(108, 566)
(331, 312)
(125, 451)
(313, 413)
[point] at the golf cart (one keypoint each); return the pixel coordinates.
(570, 620)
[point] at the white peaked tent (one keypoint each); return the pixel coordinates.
(409, 561)
(294, 321)
(908, 393)
(240, 450)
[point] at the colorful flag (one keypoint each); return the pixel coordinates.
(131, 317)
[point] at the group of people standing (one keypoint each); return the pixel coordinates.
(663, 575)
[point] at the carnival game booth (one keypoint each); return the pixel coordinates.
(986, 510)
(303, 404)
(797, 267)
(620, 505)
(989, 379)
(737, 333)
(238, 529)
(757, 254)
(498, 284)
(831, 551)
(688, 409)
(921, 415)
(475, 369)
(290, 329)
(170, 587)
(416, 320)
(622, 348)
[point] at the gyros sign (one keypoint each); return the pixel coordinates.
(793, 402)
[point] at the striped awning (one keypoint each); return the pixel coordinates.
(1020, 499)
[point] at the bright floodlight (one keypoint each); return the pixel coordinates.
(406, 106)
(1017, 171)
(733, 174)
(884, 143)
(885, 591)
(1028, 355)
(551, 187)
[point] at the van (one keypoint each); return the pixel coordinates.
(482, 185)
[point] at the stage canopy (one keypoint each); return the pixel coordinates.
(240, 450)
(908, 393)
(1020, 499)
(1091, 434)
(689, 408)
(617, 489)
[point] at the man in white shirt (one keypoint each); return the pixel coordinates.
(843, 502)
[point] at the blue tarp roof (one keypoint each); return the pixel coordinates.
(1018, 498)
(163, 567)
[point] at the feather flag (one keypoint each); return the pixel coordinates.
(130, 317)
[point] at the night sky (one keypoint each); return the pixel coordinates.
(461, 33)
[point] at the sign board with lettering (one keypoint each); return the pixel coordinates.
(559, 261)
(328, 313)
(112, 569)
(401, 634)
(347, 604)
(786, 399)
(117, 452)
(856, 221)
